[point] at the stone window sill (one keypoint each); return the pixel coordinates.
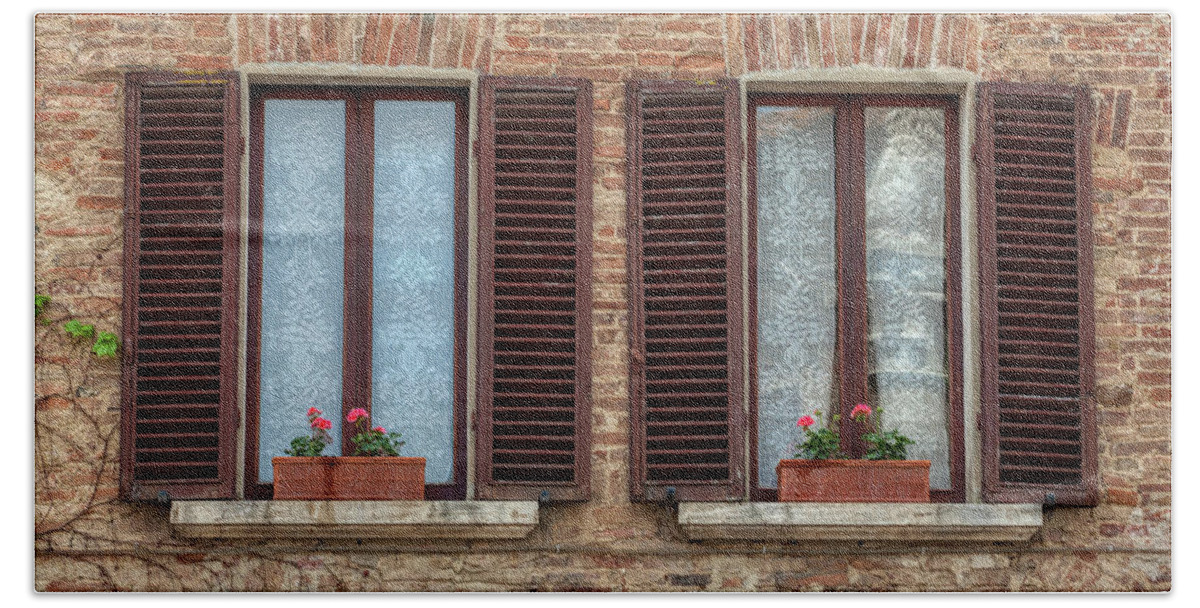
(354, 519)
(859, 521)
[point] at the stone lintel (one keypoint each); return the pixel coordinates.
(860, 521)
(354, 519)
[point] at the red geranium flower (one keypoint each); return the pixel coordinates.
(321, 423)
(312, 411)
(355, 414)
(861, 409)
(805, 421)
(379, 429)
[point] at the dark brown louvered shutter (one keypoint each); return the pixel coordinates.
(685, 273)
(533, 422)
(1035, 293)
(179, 349)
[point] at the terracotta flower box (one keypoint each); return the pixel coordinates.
(853, 480)
(349, 478)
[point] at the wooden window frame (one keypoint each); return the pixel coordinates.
(356, 316)
(850, 365)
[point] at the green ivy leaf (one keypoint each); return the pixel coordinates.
(40, 303)
(79, 330)
(106, 345)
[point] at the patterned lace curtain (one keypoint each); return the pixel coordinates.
(304, 151)
(412, 333)
(906, 278)
(797, 278)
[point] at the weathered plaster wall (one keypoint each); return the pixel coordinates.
(86, 539)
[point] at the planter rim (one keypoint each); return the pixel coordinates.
(348, 459)
(812, 462)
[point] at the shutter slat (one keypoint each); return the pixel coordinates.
(1036, 294)
(534, 289)
(684, 181)
(179, 409)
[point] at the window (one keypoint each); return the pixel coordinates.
(853, 200)
(852, 272)
(357, 282)
(360, 293)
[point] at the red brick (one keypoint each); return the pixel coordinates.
(1141, 60)
(1129, 284)
(656, 44)
(1121, 184)
(596, 59)
(99, 202)
(55, 164)
(1144, 138)
(55, 116)
(1100, 31)
(1127, 498)
(1159, 378)
(1163, 363)
(205, 29)
(655, 59)
(699, 62)
(53, 403)
(93, 25)
(524, 58)
(1156, 172)
(605, 74)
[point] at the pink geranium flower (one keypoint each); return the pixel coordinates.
(321, 423)
(312, 411)
(861, 409)
(805, 421)
(355, 414)
(379, 429)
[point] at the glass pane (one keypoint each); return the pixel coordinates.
(797, 278)
(412, 367)
(304, 151)
(906, 278)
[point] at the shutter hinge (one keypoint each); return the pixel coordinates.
(669, 499)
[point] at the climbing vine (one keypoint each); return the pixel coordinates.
(105, 343)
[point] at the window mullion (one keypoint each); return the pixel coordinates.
(356, 367)
(852, 265)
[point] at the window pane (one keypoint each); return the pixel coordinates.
(906, 278)
(412, 367)
(797, 280)
(303, 226)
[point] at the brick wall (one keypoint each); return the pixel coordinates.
(85, 539)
